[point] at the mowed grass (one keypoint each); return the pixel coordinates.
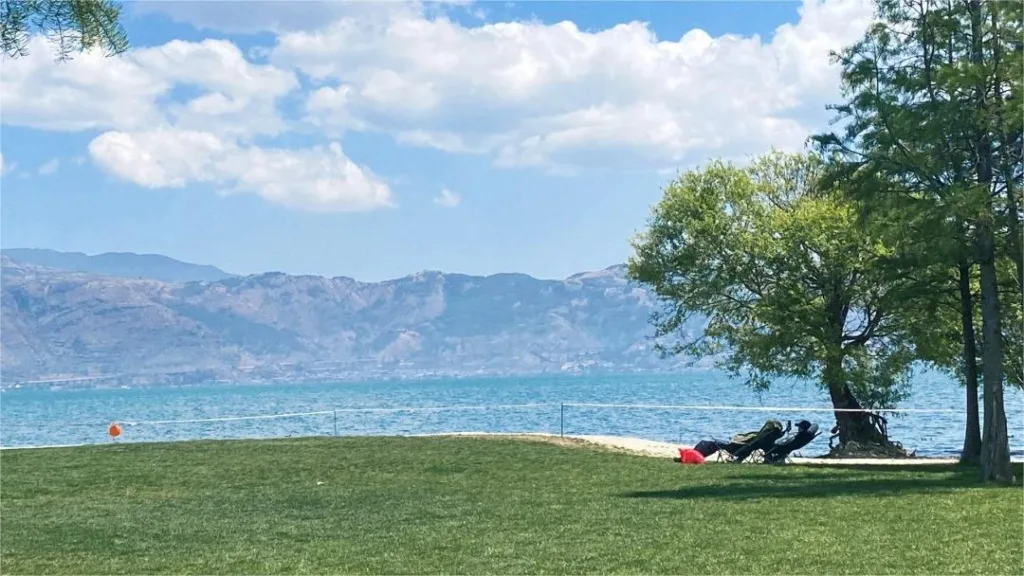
(475, 506)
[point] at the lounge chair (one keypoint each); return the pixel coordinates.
(746, 445)
(804, 435)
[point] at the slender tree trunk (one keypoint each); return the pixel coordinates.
(972, 433)
(995, 444)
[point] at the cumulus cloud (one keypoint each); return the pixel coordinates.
(87, 93)
(536, 94)
(447, 199)
(95, 92)
(239, 97)
(49, 167)
(319, 179)
(155, 140)
(522, 94)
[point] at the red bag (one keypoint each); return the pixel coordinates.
(690, 456)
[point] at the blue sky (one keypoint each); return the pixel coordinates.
(374, 140)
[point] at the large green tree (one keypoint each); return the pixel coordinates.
(788, 277)
(932, 262)
(933, 103)
(71, 25)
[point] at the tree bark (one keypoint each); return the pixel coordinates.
(995, 444)
(856, 427)
(971, 452)
(852, 426)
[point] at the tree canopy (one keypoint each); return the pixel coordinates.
(933, 104)
(787, 275)
(72, 26)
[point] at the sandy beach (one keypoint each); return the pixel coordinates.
(658, 449)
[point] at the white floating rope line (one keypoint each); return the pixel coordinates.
(337, 411)
(763, 408)
(226, 418)
(446, 408)
(509, 406)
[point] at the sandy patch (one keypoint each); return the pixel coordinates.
(622, 444)
(658, 449)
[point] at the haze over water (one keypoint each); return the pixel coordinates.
(59, 417)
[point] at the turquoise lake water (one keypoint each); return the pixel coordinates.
(527, 404)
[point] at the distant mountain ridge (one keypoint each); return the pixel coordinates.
(120, 264)
(61, 325)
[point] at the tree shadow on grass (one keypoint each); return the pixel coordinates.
(846, 480)
(970, 473)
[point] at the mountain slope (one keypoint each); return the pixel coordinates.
(59, 324)
(121, 264)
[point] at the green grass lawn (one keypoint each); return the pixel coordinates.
(464, 505)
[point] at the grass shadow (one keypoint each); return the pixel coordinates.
(970, 473)
(847, 480)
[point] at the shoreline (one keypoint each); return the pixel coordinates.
(621, 444)
(659, 449)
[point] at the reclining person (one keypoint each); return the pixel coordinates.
(741, 445)
(769, 439)
(805, 433)
(710, 447)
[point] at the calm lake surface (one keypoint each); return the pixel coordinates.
(59, 417)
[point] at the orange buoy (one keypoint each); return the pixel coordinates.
(114, 430)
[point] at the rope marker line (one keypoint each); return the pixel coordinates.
(445, 408)
(339, 410)
(763, 408)
(562, 407)
(226, 418)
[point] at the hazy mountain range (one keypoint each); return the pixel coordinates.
(122, 264)
(137, 319)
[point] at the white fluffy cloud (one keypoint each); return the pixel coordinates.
(237, 97)
(517, 93)
(535, 94)
(447, 199)
(318, 179)
(95, 92)
(156, 140)
(87, 93)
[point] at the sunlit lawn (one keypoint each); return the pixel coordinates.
(471, 506)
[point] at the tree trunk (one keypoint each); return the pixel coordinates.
(995, 444)
(856, 427)
(971, 452)
(851, 426)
